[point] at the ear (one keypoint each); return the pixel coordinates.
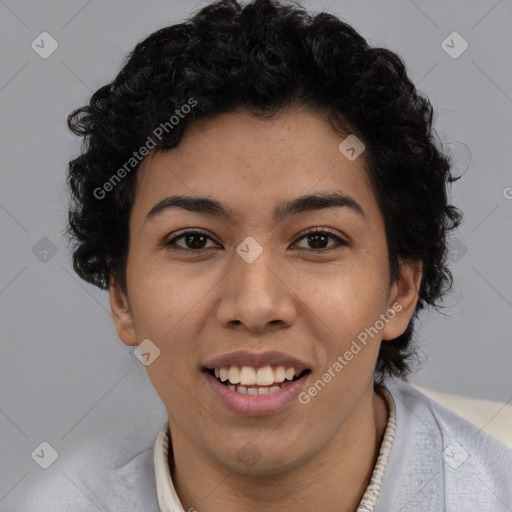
(122, 315)
(403, 298)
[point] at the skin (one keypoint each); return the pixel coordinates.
(317, 456)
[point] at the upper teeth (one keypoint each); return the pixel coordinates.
(247, 375)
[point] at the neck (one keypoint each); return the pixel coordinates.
(335, 479)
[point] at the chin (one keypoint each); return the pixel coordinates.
(263, 462)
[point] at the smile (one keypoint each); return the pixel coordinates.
(249, 380)
(256, 391)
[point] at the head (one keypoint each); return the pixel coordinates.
(235, 130)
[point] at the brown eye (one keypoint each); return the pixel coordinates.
(193, 241)
(318, 240)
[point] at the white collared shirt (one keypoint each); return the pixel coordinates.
(437, 461)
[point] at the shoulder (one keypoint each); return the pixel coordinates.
(116, 476)
(457, 463)
(416, 406)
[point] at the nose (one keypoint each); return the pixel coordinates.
(257, 295)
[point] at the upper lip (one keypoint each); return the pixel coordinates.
(244, 358)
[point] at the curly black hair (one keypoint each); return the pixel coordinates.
(263, 57)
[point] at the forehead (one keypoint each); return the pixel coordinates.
(251, 165)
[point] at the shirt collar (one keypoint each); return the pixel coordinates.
(168, 499)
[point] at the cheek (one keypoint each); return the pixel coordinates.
(346, 316)
(349, 298)
(175, 372)
(161, 299)
(167, 311)
(345, 308)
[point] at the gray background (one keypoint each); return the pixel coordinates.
(64, 374)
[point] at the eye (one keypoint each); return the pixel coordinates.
(317, 237)
(194, 241)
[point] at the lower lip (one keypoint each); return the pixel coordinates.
(256, 405)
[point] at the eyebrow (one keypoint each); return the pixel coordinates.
(214, 208)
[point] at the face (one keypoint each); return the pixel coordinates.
(253, 295)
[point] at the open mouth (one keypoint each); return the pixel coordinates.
(256, 381)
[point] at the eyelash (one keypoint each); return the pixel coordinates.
(325, 231)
